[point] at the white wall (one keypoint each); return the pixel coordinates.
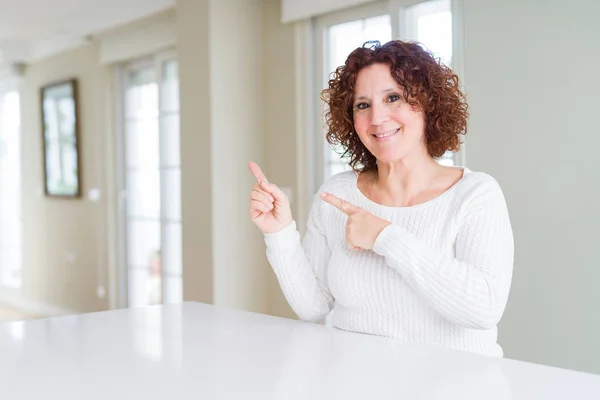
(531, 78)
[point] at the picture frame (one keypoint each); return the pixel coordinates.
(60, 137)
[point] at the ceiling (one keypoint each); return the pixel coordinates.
(34, 29)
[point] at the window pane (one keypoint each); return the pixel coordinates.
(141, 97)
(143, 241)
(172, 248)
(170, 71)
(141, 142)
(170, 87)
(446, 161)
(344, 38)
(171, 155)
(69, 162)
(53, 170)
(435, 32)
(378, 28)
(144, 287)
(10, 190)
(153, 181)
(173, 289)
(143, 193)
(172, 193)
(141, 77)
(337, 167)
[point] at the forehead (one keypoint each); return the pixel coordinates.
(375, 77)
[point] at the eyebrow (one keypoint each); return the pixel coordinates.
(386, 91)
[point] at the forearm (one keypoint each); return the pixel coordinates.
(459, 290)
(295, 267)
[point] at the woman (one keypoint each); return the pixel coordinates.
(401, 246)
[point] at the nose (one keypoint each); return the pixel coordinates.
(379, 114)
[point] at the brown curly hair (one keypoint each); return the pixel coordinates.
(427, 84)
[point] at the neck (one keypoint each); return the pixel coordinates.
(403, 180)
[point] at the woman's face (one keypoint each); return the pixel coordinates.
(389, 127)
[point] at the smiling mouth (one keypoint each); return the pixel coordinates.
(381, 135)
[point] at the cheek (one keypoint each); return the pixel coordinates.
(361, 124)
(411, 119)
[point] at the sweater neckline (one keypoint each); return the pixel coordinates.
(447, 192)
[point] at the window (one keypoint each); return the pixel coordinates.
(429, 23)
(151, 180)
(10, 190)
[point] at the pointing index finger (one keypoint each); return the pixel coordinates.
(342, 205)
(257, 172)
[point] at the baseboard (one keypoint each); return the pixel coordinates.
(14, 299)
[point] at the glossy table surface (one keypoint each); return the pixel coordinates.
(192, 350)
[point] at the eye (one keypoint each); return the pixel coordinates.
(392, 98)
(361, 106)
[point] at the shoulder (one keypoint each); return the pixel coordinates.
(339, 184)
(478, 187)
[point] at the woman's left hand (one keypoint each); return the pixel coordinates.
(362, 228)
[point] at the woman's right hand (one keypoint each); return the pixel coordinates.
(269, 207)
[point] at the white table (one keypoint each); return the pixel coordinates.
(198, 351)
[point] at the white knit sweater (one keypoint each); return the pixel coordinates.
(439, 275)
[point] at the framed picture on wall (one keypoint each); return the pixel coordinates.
(60, 132)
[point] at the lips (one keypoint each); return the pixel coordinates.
(386, 134)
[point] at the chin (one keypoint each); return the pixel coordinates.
(388, 157)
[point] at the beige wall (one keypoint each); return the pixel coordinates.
(52, 227)
(193, 47)
(237, 105)
(529, 77)
(220, 45)
(279, 113)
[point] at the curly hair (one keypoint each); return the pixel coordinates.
(427, 84)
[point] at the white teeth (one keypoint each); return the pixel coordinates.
(386, 134)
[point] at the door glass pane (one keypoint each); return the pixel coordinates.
(144, 243)
(434, 27)
(144, 287)
(337, 167)
(172, 194)
(172, 248)
(143, 193)
(153, 181)
(173, 289)
(170, 87)
(142, 178)
(433, 21)
(171, 153)
(344, 38)
(10, 190)
(142, 101)
(141, 143)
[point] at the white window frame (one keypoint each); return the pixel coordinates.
(310, 50)
(156, 61)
